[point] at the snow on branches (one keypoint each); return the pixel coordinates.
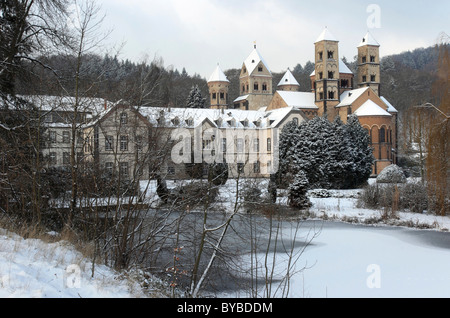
(331, 154)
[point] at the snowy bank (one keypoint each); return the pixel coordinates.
(32, 268)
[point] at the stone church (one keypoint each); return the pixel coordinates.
(333, 92)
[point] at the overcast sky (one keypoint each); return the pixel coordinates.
(198, 34)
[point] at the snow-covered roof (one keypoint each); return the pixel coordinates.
(369, 108)
(368, 39)
(218, 75)
(93, 106)
(348, 97)
(391, 108)
(343, 69)
(326, 35)
(298, 99)
(288, 79)
(253, 60)
(240, 98)
(226, 118)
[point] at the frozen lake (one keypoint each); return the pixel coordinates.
(348, 260)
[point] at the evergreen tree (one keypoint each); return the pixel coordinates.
(195, 99)
(218, 173)
(161, 189)
(332, 155)
(361, 153)
(272, 188)
(315, 151)
(342, 158)
(287, 145)
(297, 191)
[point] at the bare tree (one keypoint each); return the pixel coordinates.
(438, 167)
(27, 27)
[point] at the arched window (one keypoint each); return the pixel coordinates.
(369, 134)
(382, 134)
(264, 87)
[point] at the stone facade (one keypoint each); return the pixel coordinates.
(333, 92)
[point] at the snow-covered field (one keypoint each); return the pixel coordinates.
(349, 261)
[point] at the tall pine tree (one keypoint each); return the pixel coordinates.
(195, 98)
(361, 153)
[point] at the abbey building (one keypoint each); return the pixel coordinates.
(141, 142)
(335, 91)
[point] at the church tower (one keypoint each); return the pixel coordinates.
(255, 83)
(369, 63)
(326, 84)
(218, 85)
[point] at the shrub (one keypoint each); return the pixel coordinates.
(251, 196)
(391, 174)
(410, 196)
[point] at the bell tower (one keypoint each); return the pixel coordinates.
(369, 63)
(326, 83)
(218, 85)
(255, 83)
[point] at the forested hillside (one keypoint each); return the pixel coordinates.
(406, 79)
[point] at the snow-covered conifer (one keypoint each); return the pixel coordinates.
(361, 152)
(298, 190)
(195, 99)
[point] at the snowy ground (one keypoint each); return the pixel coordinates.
(32, 268)
(402, 266)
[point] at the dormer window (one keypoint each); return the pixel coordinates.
(175, 121)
